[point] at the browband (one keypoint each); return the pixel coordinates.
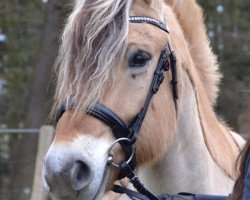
(149, 20)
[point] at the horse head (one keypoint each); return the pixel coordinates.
(111, 55)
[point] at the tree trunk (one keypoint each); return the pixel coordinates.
(39, 103)
(244, 118)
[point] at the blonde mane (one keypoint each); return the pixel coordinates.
(190, 17)
(94, 38)
(205, 77)
(179, 140)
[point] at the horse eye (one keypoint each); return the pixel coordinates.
(139, 59)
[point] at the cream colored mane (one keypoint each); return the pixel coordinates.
(94, 38)
(190, 17)
(204, 74)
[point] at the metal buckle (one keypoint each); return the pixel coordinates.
(110, 160)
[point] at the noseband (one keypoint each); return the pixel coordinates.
(127, 134)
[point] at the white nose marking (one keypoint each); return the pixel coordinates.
(76, 166)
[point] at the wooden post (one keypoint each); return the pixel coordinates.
(46, 135)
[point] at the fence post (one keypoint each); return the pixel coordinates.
(46, 135)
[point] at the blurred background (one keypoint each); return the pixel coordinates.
(29, 35)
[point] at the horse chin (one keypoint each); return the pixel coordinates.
(99, 192)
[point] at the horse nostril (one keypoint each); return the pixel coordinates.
(81, 175)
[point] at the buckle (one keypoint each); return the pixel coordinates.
(111, 156)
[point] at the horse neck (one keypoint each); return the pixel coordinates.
(188, 165)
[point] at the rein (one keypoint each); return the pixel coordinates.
(126, 134)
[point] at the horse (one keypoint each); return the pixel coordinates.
(111, 55)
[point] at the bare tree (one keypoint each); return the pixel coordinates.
(39, 103)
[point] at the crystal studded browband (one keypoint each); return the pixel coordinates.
(141, 19)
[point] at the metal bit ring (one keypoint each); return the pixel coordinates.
(111, 156)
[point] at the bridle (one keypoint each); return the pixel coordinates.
(127, 134)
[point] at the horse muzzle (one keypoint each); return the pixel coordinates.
(71, 173)
(68, 174)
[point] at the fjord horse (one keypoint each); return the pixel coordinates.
(108, 58)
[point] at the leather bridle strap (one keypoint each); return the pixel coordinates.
(163, 65)
(131, 131)
(132, 194)
(119, 129)
(103, 113)
(127, 134)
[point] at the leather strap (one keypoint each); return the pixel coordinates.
(131, 131)
(163, 65)
(132, 194)
(119, 129)
(137, 185)
(103, 113)
(174, 81)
